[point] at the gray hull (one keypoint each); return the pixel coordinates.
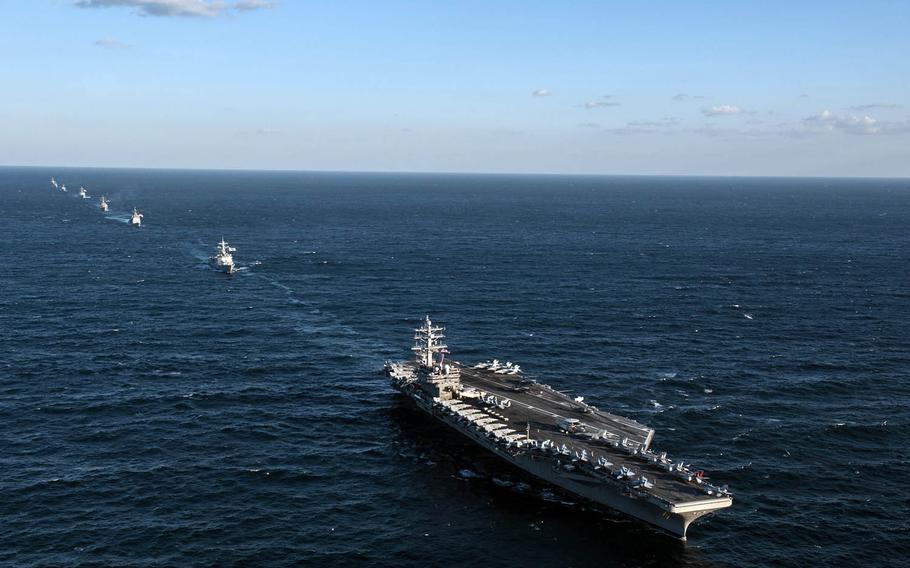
(673, 519)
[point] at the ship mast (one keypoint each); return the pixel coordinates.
(428, 342)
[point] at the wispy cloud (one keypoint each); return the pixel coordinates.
(109, 43)
(249, 5)
(663, 125)
(852, 124)
(600, 104)
(681, 97)
(721, 110)
(186, 8)
(714, 132)
(587, 125)
(541, 93)
(603, 103)
(863, 108)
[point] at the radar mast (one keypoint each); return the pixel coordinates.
(428, 342)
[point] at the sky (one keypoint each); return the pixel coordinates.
(509, 86)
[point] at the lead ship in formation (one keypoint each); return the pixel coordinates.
(598, 456)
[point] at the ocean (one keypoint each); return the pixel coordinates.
(157, 413)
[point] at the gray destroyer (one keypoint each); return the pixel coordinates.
(601, 457)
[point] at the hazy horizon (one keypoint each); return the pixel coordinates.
(445, 173)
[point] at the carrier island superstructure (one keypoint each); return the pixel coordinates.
(596, 455)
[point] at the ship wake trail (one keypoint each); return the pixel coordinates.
(195, 250)
(327, 331)
(249, 267)
(118, 217)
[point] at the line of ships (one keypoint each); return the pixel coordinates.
(222, 260)
(598, 456)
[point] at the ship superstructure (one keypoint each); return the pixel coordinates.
(136, 218)
(223, 259)
(599, 456)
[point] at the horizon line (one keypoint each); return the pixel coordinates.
(452, 173)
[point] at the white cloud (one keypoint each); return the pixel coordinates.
(721, 110)
(109, 43)
(189, 8)
(852, 124)
(541, 93)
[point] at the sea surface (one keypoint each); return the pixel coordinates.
(154, 412)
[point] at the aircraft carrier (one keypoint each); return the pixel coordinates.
(598, 456)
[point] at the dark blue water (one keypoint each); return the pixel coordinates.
(157, 413)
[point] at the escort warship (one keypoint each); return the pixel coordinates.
(223, 260)
(136, 218)
(104, 204)
(598, 456)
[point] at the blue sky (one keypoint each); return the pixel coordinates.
(701, 88)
